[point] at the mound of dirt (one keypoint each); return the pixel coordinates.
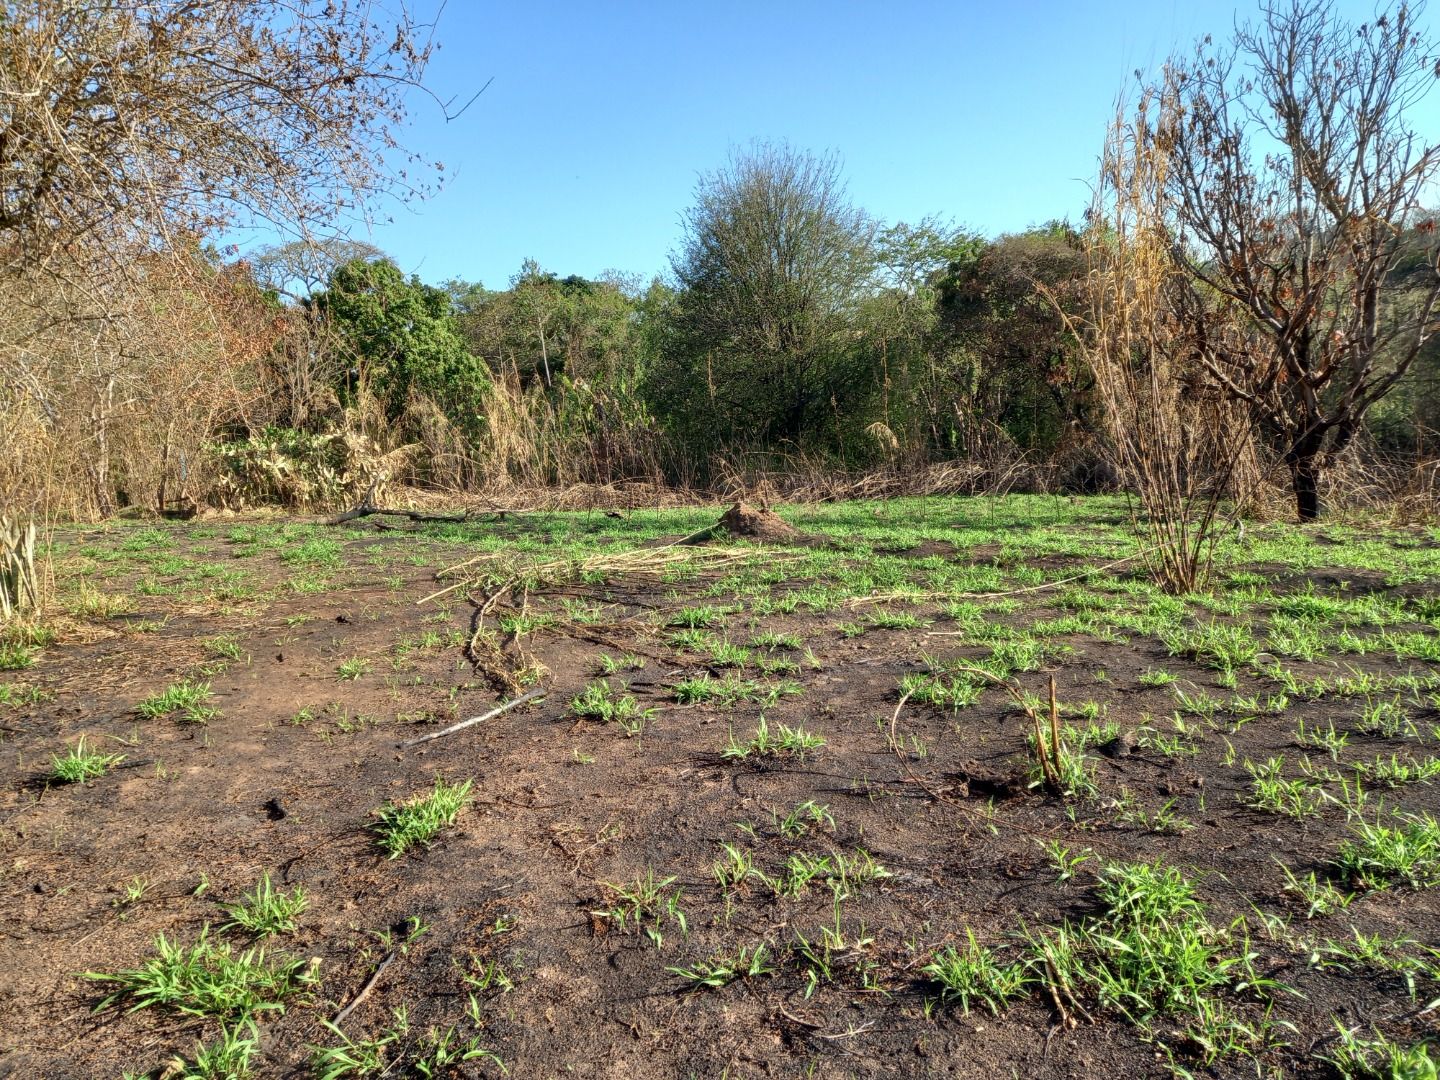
(761, 524)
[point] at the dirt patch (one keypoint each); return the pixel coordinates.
(757, 523)
(546, 923)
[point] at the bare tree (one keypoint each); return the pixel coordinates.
(1292, 170)
(136, 122)
(301, 268)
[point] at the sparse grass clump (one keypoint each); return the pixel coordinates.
(1224, 647)
(186, 699)
(771, 640)
(609, 665)
(79, 764)
(975, 975)
(1272, 792)
(731, 690)
(1152, 957)
(227, 1058)
(351, 669)
(400, 826)
(357, 1057)
(1383, 855)
(16, 656)
(208, 979)
(698, 618)
(1380, 1058)
(646, 904)
(721, 969)
(942, 693)
(803, 818)
(268, 910)
(18, 694)
(599, 701)
(895, 620)
(783, 741)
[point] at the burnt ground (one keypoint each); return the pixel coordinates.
(506, 928)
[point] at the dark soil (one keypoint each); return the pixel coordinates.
(565, 809)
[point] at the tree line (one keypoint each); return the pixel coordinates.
(1259, 236)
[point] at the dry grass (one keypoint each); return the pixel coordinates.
(1175, 442)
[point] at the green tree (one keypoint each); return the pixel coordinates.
(913, 375)
(772, 271)
(402, 338)
(545, 327)
(1011, 357)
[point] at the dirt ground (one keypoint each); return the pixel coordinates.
(321, 659)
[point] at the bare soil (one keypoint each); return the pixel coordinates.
(286, 778)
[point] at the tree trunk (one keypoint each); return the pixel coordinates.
(1305, 479)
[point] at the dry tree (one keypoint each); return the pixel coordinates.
(128, 124)
(1295, 174)
(1172, 439)
(132, 131)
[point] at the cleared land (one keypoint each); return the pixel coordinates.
(776, 814)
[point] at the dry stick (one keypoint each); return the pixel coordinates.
(696, 537)
(895, 747)
(1055, 735)
(364, 990)
(529, 695)
(485, 609)
(442, 592)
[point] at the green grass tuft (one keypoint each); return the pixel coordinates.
(400, 826)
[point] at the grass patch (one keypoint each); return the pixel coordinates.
(268, 910)
(209, 979)
(351, 669)
(783, 741)
(186, 698)
(599, 701)
(732, 690)
(1383, 855)
(79, 764)
(975, 975)
(399, 826)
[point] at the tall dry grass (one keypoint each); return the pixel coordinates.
(1175, 441)
(111, 393)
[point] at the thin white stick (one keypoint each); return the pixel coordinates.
(537, 692)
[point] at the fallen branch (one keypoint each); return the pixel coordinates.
(414, 515)
(529, 695)
(365, 508)
(699, 536)
(364, 990)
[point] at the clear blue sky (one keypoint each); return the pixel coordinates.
(584, 151)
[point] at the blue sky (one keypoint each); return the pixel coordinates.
(584, 151)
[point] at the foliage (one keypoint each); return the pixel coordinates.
(772, 267)
(1008, 351)
(283, 467)
(402, 339)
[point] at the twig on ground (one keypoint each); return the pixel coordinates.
(364, 990)
(529, 695)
